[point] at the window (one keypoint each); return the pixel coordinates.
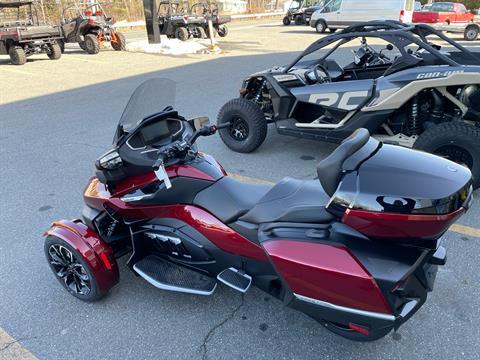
(462, 9)
(442, 7)
(332, 6)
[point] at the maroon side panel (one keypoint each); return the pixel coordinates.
(98, 255)
(390, 225)
(327, 273)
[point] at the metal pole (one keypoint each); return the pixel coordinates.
(151, 21)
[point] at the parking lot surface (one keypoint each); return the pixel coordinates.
(57, 117)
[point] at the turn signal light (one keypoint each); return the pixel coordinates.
(99, 12)
(88, 12)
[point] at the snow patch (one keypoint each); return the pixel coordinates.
(169, 46)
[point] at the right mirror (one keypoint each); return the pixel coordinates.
(200, 122)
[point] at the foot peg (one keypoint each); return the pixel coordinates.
(236, 279)
(166, 275)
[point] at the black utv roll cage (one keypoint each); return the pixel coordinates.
(398, 34)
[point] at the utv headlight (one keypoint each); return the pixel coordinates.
(109, 161)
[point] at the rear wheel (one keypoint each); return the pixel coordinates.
(298, 20)
(71, 270)
(181, 33)
(82, 45)
(222, 30)
(286, 21)
(350, 334)
(120, 43)
(61, 43)
(17, 55)
(471, 33)
(54, 52)
(248, 127)
(456, 141)
(320, 27)
(91, 43)
(202, 34)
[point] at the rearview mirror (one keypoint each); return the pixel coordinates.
(200, 122)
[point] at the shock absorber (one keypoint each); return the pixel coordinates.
(258, 96)
(414, 125)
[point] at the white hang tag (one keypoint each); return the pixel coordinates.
(162, 175)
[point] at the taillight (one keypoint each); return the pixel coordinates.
(88, 12)
(402, 15)
(99, 12)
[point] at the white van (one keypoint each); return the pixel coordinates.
(339, 14)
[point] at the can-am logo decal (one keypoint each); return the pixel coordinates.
(437, 74)
(347, 101)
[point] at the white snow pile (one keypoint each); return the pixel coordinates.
(168, 46)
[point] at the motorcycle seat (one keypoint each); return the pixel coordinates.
(228, 199)
(291, 200)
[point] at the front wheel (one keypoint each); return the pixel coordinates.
(17, 55)
(91, 43)
(181, 33)
(202, 34)
(456, 141)
(286, 21)
(471, 33)
(71, 270)
(119, 43)
(248, 127)
(222, 30)
(320, 27)
(54, 51)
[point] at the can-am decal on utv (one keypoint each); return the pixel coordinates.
(411, 93)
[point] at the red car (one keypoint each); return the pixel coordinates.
(444, 12)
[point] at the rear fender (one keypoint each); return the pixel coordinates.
(94, 251)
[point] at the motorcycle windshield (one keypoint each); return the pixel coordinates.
(152, 97)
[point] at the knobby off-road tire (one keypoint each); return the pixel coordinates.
(248, 127)
(82, 45)
(286, 21)
(298, 20)
(202, 34)
(17, 55)
(91, 43)
(55, 52)
(222, 30)
(181, 33)
(456, 141)
(120, 44)
(321, 27)
(61, 43)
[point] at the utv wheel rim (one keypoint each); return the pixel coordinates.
(67, 268)
(456, 154)
(239, 129)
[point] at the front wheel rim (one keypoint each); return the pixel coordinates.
(456, 154)
(69, 270)
(471, 34)
(239, 129)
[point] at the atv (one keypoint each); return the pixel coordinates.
(210, 11)
(176, 21)
(22, 33)
(89, 26)
(296, 12)
(408, 92)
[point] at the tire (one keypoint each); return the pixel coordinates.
(471, 33)
(298, 20)
(93, 294)
(286, 21)
(350, 334)
(17, 55)
(456, 141)
(120, 44)
(249, 127)
(55, 52)
(181, 33)
(222, 30)
(82, 45)
(320, 26)
(61, 43)
(92, 45)
(202, 34)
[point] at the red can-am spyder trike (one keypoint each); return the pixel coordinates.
(357, 249)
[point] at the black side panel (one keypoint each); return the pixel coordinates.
(228, 199)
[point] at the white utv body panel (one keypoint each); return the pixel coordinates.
(339, 14)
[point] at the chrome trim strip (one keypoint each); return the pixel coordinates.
(346, 309)
(162, 286)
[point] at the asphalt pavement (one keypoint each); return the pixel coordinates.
(48, 144)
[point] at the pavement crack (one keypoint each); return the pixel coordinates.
(13, 342)
(211, 332)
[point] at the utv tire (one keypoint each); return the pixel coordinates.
(286, 21)
(92, 45)
(202, 34)
(61, 43)
(17, 55)
(222, 30)
(471, 33)
(298, 20)
(94, 293)
(55, 52)
(248, 127)
(82, 45)
(181, 33)
(120, 44)
(456, 141)
(321, 27)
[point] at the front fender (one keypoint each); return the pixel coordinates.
(95, 252)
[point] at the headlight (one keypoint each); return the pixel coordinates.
(111, 160)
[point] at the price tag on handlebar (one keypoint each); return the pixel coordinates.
(162, 175)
